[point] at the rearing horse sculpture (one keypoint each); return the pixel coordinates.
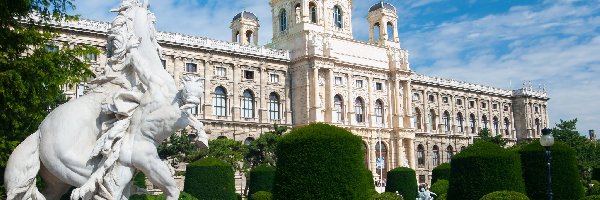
(98, 141)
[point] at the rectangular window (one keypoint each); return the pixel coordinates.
(506, 108)
(338, 80)
(416, 97)
(248, 74)
(359, 83)
(379, 86)
(92, 57)
(494, 106)
(483, 105)
(421, 179)
(220, 71)
(537, 109)
(164, 63)
(471, 104)
(431, 98)
(459, 102)
(80, 90)
(194, 110)
(274, 78)
(445, 99)
(191, 67)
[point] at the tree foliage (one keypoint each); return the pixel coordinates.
(179, 147)
(229, 151)
(587, 152)
(31, 74)
(486, 135)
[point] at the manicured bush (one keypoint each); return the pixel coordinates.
(593, 197)
(440, 172)
(565, 174)
(210, 178)
(386, 196)
(440, 187)
(403, 180)
(594, 190)
(261, 179)
(504, 195)
(139, 180)
(262, 195)
(321, 161)
(182, 196)
(482, 168)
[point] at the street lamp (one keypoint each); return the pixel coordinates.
(547, 140)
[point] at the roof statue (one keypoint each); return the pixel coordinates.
(97, 142)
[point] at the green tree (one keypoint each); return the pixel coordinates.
(587, 152)
(486, 135)
(229, 151)
(32, 70)
(179, 147)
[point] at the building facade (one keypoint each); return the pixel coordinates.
(315, 71)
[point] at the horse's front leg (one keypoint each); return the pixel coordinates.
(146, 159)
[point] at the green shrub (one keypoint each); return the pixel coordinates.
(210, 178)
(139, 180)
(386, 196)
(593, 197)
(594, 190)
(182, 196)
(321, 161)
(403, 180)
(262, 195)
(440, 187)
(440, 172)
(504, 195)
(261, 179)
(482, 168)
(442, 197)
(565, 174)
(596, 174)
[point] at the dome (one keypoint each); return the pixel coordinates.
(382, 5)
(245, 14)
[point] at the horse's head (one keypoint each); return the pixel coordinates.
(193, 89)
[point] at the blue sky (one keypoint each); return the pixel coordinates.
(493, 42)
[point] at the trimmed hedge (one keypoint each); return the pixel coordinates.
(440, 187)
(210, 178)
(593, 197)
(403, 180)
(261, 179)
(565, 174)
(483, 168)
(182, 196)
(321, 161)
(440, 172)
(504, 195)
(386, 196)
(262, 195)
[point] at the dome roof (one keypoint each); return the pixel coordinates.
(382, 5)
(245, 14)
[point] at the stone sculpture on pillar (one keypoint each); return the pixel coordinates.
(98, 142)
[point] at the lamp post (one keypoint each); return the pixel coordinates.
(547, 140)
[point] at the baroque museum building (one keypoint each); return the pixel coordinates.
(315, 71)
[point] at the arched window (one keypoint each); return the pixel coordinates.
(274, 106)
(381, 151)
(484, 121)
(459, 122)
(417, 118)
(421, 156)
(248, 104)
(379, 112)
(359, 107)
(496, 126)
(449, 153)
(337, 16)
(446, 118)
(472, 122)
(237, 37)
(338, 106)
(506, 126)
(220, 102)
(432, 123)
(390, 31)
(282, 20)
(436, 156)
(537, 127)
(376, 32)
(248, 140)
(313, 12)
(298, 13)
(249, 35)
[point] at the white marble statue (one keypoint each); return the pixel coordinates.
(97, 142)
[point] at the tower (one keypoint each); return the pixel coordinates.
(383, 22)
(244, 28)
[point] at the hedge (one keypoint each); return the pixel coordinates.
(596, 174)
(321, 161)
(440, 187)
(594, 190)
(565, 174)
(210, 178)
(403, 180)
(182, 196)
(386, 196)
(504, 195)
(483, 168)
(261, 179)
(440, 172)
(593, 197)
(262, 195)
